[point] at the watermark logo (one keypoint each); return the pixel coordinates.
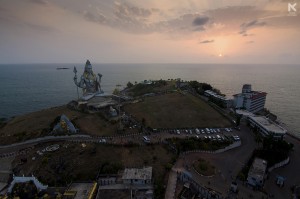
(292, 9)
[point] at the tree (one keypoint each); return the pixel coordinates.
(129, 85)
(238, 119)
(116, 91)
(143, 121)
(258, 138)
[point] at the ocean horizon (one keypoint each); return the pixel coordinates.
(27, 88)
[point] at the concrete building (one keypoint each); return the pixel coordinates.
(267, 127)
(137, 176)
(257, 173)
(252, 101)
(227, 103)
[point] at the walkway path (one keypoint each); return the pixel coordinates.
(171, 187)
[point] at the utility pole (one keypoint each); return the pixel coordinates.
(119, 86)
(75, 79)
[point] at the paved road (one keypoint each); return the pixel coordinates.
(22, 145)
(228, 163)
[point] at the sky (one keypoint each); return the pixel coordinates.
(150, 31)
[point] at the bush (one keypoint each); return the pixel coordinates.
(45, 160)
(129, 85)
(198, 144)
(168, 167)
(110, 167)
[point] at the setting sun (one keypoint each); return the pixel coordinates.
(220, 55)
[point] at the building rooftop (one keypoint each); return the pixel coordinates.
(138, 174)
(101, 102)
(252, 95)
(268, 124)
(257, 94)
(258, 168)
(244, 112)
(212, 93)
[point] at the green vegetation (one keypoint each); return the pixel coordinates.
(200, 87)
(197, 144)
(83, 164)
(25, 190)
(129, 85)
(204, 167)
(110, 168)
(20, 136)
(155, 87)
(34, 124)
(116, 91)
(2, 122)
(274, 151)
(176, 110)
(96, 124)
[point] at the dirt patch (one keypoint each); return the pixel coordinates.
(95, 125)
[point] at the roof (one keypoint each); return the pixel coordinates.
(258, 168)
(268, 124)
(138, 174)
(244, 112)
(214, 94)
(257, 94)
(251, 95)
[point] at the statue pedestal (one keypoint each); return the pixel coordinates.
(88, 96)
(91, 95)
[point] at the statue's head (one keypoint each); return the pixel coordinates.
(88, 67)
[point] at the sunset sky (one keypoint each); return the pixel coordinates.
(149, 31)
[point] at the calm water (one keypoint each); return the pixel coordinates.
(28, 88)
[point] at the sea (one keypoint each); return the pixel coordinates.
(26, 88)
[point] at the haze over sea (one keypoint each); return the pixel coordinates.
(26, 88)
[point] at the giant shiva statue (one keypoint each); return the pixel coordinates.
(89, 82)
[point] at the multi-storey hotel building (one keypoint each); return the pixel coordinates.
(252, 101)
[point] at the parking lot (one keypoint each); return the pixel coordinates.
(215, 134)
